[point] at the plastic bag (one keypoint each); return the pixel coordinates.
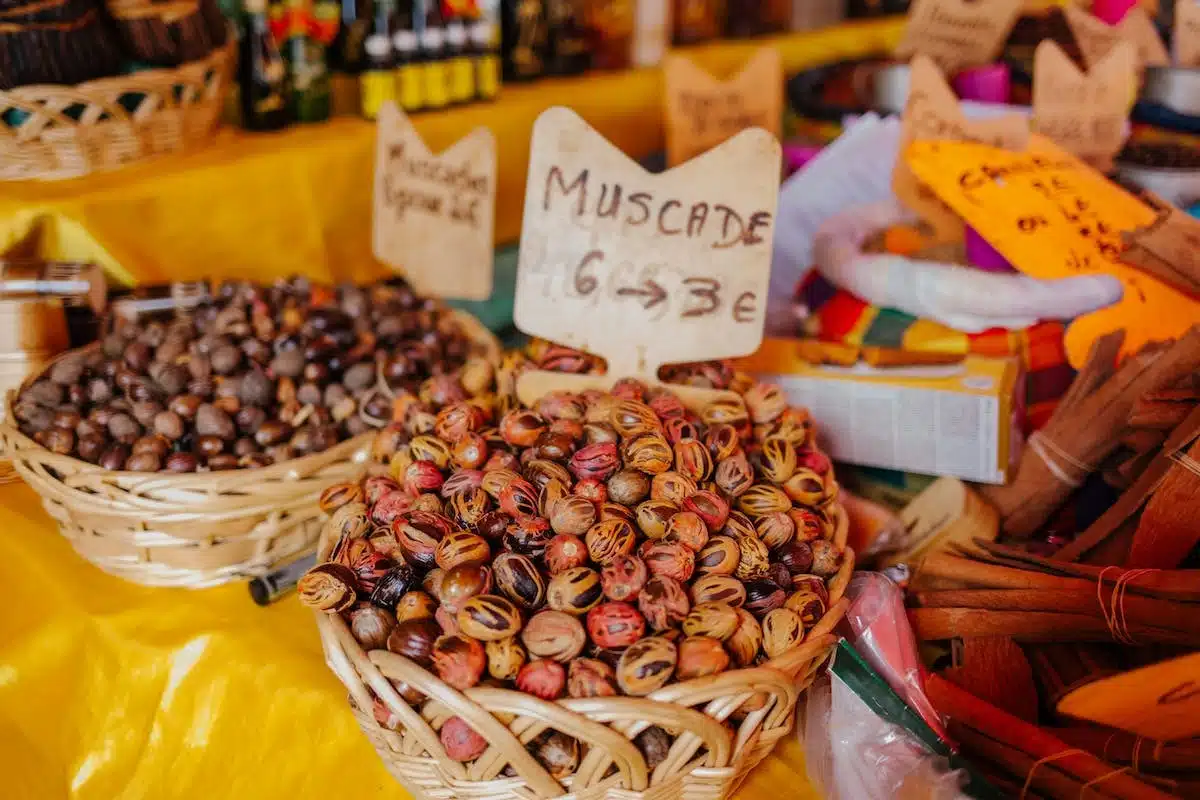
(853, 754)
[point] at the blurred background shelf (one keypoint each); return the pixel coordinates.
(300, 200)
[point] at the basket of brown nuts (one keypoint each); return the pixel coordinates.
(191, 449)
(605, 595)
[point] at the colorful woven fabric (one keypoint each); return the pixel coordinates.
(838, 316)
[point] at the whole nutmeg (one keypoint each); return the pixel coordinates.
(623, 578)
(734, 475)
(182, 462)
(743, 645)
(124, 428)
(371, 626)
(827, 559)
(670, 559)
(763, 596)
(446, 620)
(575, 591)
(393, 585)
(631, 418)
(142, 462)
(775, 529)
(460, 741)
(458, 660)
(559, 754)
(700, 656)
(711, 508)
(528, 535)
(711, 619)
(718, 589)
(418, 533)
(777, 459)
(663, 602)
(168, 424)
(488, 617)
(805, 487)
(90, 448)
(720, 556)
(518, 497)
(616, 511)
(628, 487)
(595, 461)
(461, 547)
(651, 453)
(608, 539)
(754, 558)
(272, 432)
(212, 421)
(542, 678)
(590, 677)
(554, 634)
(615, 625)
(493, 525)
(779, 575)
(327, 587)
(338, 495)
(572, 515)
(672, 487)
(782, 630)
(505, 657)
(655, 744)
(646, 665)
(461, 583)
(468, 507)
(565, 552)
(653, 516)
(808, 606)
(693, 459)
(522, 427)
(519, 580)
(415, 604)
(114, 457)
(185, 405)
(687, 529)
(592, 491)
(208, 446)
(765, 402)
(58, 440)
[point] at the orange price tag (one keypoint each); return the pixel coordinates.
(1052, 216)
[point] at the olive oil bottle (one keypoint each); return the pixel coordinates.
(460, 66)
(523, 39)
(378, 81)
(262, 72)
(434, 63)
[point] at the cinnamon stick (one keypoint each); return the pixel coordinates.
(1170, 524)
(966, 709)
(1088, 426)
(970, 572)
(936, 624)
(1150, 611)
(1123, 747)
(1047, 779)
(1060, 668)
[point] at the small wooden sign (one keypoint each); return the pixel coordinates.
(1185, 44)
(1160, 702)
(1097, 38)
(1085, 114)
(958, 34)
(702, 112)
(932, 112)
(1053, 217)
(434, 214)
(1168, 248)
(643, 269)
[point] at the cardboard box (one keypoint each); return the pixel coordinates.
(959, 419)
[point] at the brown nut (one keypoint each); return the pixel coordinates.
(554, 634)
(646, 665)
(575, 591)
(489, 617)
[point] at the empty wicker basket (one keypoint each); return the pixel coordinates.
(191, 530)
(721, 726)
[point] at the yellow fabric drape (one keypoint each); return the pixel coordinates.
(112, 691)
(300, 200)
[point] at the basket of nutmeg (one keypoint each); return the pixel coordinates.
(605, 594)
(189, 447)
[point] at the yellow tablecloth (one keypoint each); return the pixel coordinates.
(111, 691)
(299, 200)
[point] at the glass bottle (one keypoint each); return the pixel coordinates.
(346, 53)
(262, 73)
(612, 25)
(410, 73)
(377, 81)
(698, 20)
(460, 65)
(523, 39)
(433, 57)
(484, 39)
(567, 51)
(305, 56)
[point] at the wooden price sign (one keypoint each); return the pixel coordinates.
(958, 34)
(1160, 702)
(702, 112)
(643, 269)
(434, 214)
(1096, 37)
(1084, 113)
(1168, 248)
(1185, 44)
(932, 112)
(1052, 216)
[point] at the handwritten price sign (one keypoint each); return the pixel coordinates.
(434, 214)
(644, 269)
(702, 112)
(958, 34)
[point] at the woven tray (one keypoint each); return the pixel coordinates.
(192, 530)
(69, 131)
(715, 742)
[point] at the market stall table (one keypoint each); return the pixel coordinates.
(273, 204)
(112, 691)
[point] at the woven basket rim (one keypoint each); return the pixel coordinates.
(357, 670)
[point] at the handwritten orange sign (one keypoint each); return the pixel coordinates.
(932, 113)
(1052, 216)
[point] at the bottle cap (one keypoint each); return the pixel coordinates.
(404, 41)
(376, 45)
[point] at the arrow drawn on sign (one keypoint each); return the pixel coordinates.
(653, 293)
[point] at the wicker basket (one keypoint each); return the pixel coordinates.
(193, 530)
(722, 726)
(68, 131)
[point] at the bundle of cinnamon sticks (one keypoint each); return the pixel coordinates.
(1002, 591)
